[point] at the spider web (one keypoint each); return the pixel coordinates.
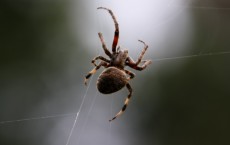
(75, 123)
(77, 113)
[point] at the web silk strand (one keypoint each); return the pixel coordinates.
(192, 56)
(37, 118)
(76, 118)
(87, 117)
(71, 114)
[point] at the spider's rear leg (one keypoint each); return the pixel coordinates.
(93, 71)
(101, 58)
(116, 33)
(126, 102)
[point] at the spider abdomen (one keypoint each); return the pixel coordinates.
(111, 80)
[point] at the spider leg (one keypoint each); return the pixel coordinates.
(116, 33)
(142, 53)
(132, 75)
(101, 58)
(140, 68)
(107, 52)
(126, 102)
(93, 71)
(134, 64)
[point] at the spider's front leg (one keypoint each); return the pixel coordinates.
(101, 58)
(142, 53)
(93, 71)
(116, 33)
(134, 65)
(107, 52)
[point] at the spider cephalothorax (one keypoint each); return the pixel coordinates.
(114, 77)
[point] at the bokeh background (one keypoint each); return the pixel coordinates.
(46, 47)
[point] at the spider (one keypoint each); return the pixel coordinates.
(115, 76)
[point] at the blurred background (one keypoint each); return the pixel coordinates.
(182, 98)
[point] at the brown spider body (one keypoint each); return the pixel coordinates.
(118, 59)
(111, 80)
(115, 76)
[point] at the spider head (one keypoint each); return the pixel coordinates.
(122, 54)
(120, 57)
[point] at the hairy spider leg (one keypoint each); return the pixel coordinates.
(126, 102)
(142, 53)
(140, 68)
(107, 52)
(93, 71)
(101, 58)
(134, 64)
(116, 33)
(132, 75)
